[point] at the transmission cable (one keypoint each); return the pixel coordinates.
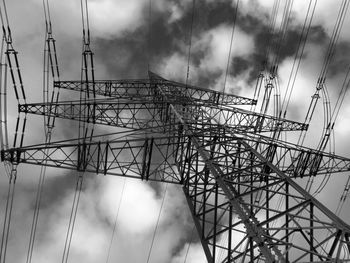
(328, 124)
(12, 64)
(4, 138)
(190, 42)
(189, 244)
(8, 214)
(149, 40)
(115, 221)
(265, 62)
(230, 50)
(50, 65)
(87, 65)
(329, 55)
(298, 57)
(73, 216)
(343, 197)
(158, 219)
(341, 96)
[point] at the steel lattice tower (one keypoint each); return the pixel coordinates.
(237, 175)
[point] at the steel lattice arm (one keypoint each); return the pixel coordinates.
(294, 161)
(125, 154)
(141, 113)
(144, 88)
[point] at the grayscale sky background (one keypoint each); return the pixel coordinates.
(120, 35)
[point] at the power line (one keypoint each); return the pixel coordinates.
(158, 219)
(149, 40)
(231, 41)
(72, 218)
(298, 56)
(190, 41)
(115, 221)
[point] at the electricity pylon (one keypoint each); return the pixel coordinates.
(238, 176)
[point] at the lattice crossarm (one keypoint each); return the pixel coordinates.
(142, 88)
(146, 158)
(245, 120)
(142, 113)
(294, 160)
(211, 96)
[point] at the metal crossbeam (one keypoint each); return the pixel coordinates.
(149, 112)
(145, 87)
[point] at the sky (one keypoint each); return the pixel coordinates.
(126, 38)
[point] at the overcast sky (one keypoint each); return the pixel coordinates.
(120, 37)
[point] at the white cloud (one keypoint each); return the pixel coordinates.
(216, 44)
(140, 204)
(111, 18)
(139, 208)
(174, 67)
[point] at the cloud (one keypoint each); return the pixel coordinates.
(196, 254)
(120, 38)
(111, 18)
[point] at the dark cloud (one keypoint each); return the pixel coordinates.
(341, 59)
(317, 35)
(239, 65)
(127, 55)
(278, 47)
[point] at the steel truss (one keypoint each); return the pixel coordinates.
(240, 185)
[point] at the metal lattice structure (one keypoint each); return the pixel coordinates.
(238, 177)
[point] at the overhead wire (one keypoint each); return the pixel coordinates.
(266, 56)
(265, 62)
(50, 65)
(4, 138)
(157, 224)
(268, 79)
(149, 40)
(341, 96)
(335, 114)
(115, 221)
(189, 244)
(325, 66)
(87, 77)
(73, 216)
(8, 214)
(87, 70)
(272, 79)
(190, 42)
(12, 66)
(298, 56)
(230, 49)
(344, 196)
(329, 116)
(287, 10)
